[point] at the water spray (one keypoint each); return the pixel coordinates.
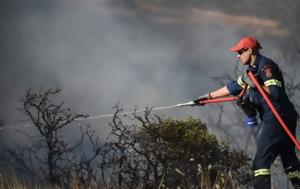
(190, 103)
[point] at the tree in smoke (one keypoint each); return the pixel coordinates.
(50, 156)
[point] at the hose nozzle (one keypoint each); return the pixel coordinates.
(191, 103)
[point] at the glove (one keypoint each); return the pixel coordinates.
(247, 106)
(201, 98)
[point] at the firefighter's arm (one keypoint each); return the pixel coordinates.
(273, 90)
(272, 82)
(222, 92)
(266, 89)
(245, 80)
(232, 88)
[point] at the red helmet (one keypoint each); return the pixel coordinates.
(246, 42)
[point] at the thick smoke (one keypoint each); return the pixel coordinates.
(100, 53)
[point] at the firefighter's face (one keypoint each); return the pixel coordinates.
(244, 55)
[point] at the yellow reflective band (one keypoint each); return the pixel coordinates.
(272, 82)
(294, 174)
(240, 82)
(260, 172)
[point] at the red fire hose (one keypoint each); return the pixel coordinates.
(266, 98)
(232, 98)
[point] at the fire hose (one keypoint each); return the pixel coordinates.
(217, 100)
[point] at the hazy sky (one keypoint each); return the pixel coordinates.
(100, 53)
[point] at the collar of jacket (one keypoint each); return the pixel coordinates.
(257, 63)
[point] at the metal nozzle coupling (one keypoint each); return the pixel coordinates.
(191, 103)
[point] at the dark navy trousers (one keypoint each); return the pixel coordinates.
(274, 141)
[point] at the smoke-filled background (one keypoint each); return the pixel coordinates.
(136, 52)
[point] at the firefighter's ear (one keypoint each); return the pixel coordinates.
(250, 51)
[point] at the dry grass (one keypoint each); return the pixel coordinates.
(208, 179)
(13, 183)
(216, 179)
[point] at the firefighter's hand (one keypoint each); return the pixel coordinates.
(202, 98)
(247, 106)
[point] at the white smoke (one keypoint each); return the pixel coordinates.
(101, 53)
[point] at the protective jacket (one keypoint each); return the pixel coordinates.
(267, 73)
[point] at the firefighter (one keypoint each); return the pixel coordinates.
(273, 140)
